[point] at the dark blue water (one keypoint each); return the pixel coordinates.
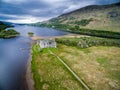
(14, 55)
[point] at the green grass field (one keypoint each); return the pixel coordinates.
(49, 73)
(97, 66)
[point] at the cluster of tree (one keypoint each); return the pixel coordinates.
(7, 33)
(84, 22)
(85, 42)
(97, 33)
(53, 25)
(4, 25)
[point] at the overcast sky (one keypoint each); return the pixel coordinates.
(29, 11)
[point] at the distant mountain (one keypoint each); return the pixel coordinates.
(99, 17)
(9, 24)
(4, 25)
(12, 24)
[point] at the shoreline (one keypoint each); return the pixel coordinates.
(28, 74)
(63, 36)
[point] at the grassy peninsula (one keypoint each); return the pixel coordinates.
(49, 73)
(95, 61)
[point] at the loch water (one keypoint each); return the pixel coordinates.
(14, 55)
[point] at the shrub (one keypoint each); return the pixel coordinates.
(85, 42)
(83, 22)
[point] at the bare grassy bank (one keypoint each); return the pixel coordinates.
(98, 66)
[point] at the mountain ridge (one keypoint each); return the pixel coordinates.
(98, 17)
(91, 6)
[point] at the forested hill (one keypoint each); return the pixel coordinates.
(7, 33)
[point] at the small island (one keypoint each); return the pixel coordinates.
(9, 33)
(30, 34)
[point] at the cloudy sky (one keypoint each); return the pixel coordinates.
(29, 11)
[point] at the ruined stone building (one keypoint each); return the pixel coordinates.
(46, 43)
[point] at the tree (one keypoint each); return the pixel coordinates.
(77, 27)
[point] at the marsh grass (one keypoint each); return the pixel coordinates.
(101, 60)
(98, 66)
(49, 73)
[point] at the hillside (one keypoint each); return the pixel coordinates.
(99, 17)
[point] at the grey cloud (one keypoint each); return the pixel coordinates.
(42, 8)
